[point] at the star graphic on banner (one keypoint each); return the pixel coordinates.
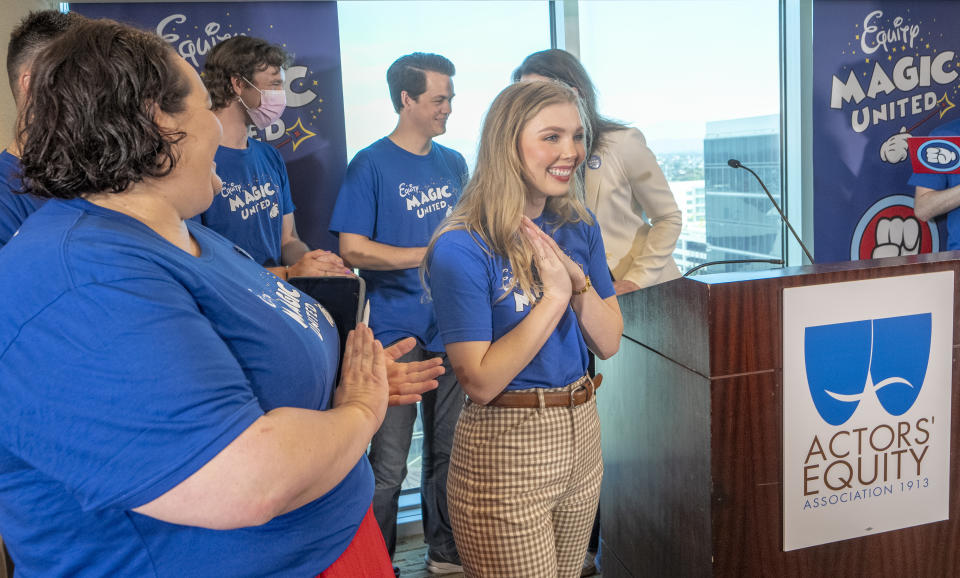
(945, 104)
(298, 133)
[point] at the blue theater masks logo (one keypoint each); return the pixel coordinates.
(890, 354)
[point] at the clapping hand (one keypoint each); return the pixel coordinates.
(554, 273)
(577, 277)
(409, 379)
(363, 377)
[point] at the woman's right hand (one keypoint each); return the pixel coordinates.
(553, 274)
(408, 379)
(577, 277)
(363, 377)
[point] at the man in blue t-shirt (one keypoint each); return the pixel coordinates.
(938, 194)
(245, 78)
(28, 39)
(395, 194)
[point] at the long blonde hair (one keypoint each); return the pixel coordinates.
(492, 204)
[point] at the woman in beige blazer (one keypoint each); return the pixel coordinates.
(624, 187)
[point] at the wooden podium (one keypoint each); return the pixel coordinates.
(691, 418)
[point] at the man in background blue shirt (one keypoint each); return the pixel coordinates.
(395, 194)
(34, 33)
(245, 78)
(939, 194)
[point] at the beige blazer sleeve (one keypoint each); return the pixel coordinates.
(639, 218)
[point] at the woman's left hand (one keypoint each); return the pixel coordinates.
(407, 380)
(578, 279)
(319, 263)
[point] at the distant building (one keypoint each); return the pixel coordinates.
(692, 245)
(741, 223)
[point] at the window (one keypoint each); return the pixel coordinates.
(700, 78)
(485, 41)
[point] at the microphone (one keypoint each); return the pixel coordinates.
(734, 163)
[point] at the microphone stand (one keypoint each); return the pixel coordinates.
(732, 262)
(738, 165)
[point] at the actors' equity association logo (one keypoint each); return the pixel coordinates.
(884, 357)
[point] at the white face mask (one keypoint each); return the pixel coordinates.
(272, 105)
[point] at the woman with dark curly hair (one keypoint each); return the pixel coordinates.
(168, 404)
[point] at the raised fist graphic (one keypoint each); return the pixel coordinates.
(896, 237)
(940, 156)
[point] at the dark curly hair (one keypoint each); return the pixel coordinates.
(560, 65)
(240, 56)
(408, 73)
(88, 125)
(33, 34)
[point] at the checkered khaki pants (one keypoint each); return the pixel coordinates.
(523, 489)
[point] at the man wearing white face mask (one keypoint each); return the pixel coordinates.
(245, 79)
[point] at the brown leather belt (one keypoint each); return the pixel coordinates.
(573, 397)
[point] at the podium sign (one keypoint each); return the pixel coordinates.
(866, 406)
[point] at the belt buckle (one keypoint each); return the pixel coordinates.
(573, 392)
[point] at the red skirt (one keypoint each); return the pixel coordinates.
(365, 557)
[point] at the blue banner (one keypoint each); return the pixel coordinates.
(882, 71)
(310, 135)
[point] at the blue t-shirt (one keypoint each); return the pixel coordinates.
(467, 282)
(939, 182)
(397, 198)
(126, 367)
(14, 207)
(256, 195)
